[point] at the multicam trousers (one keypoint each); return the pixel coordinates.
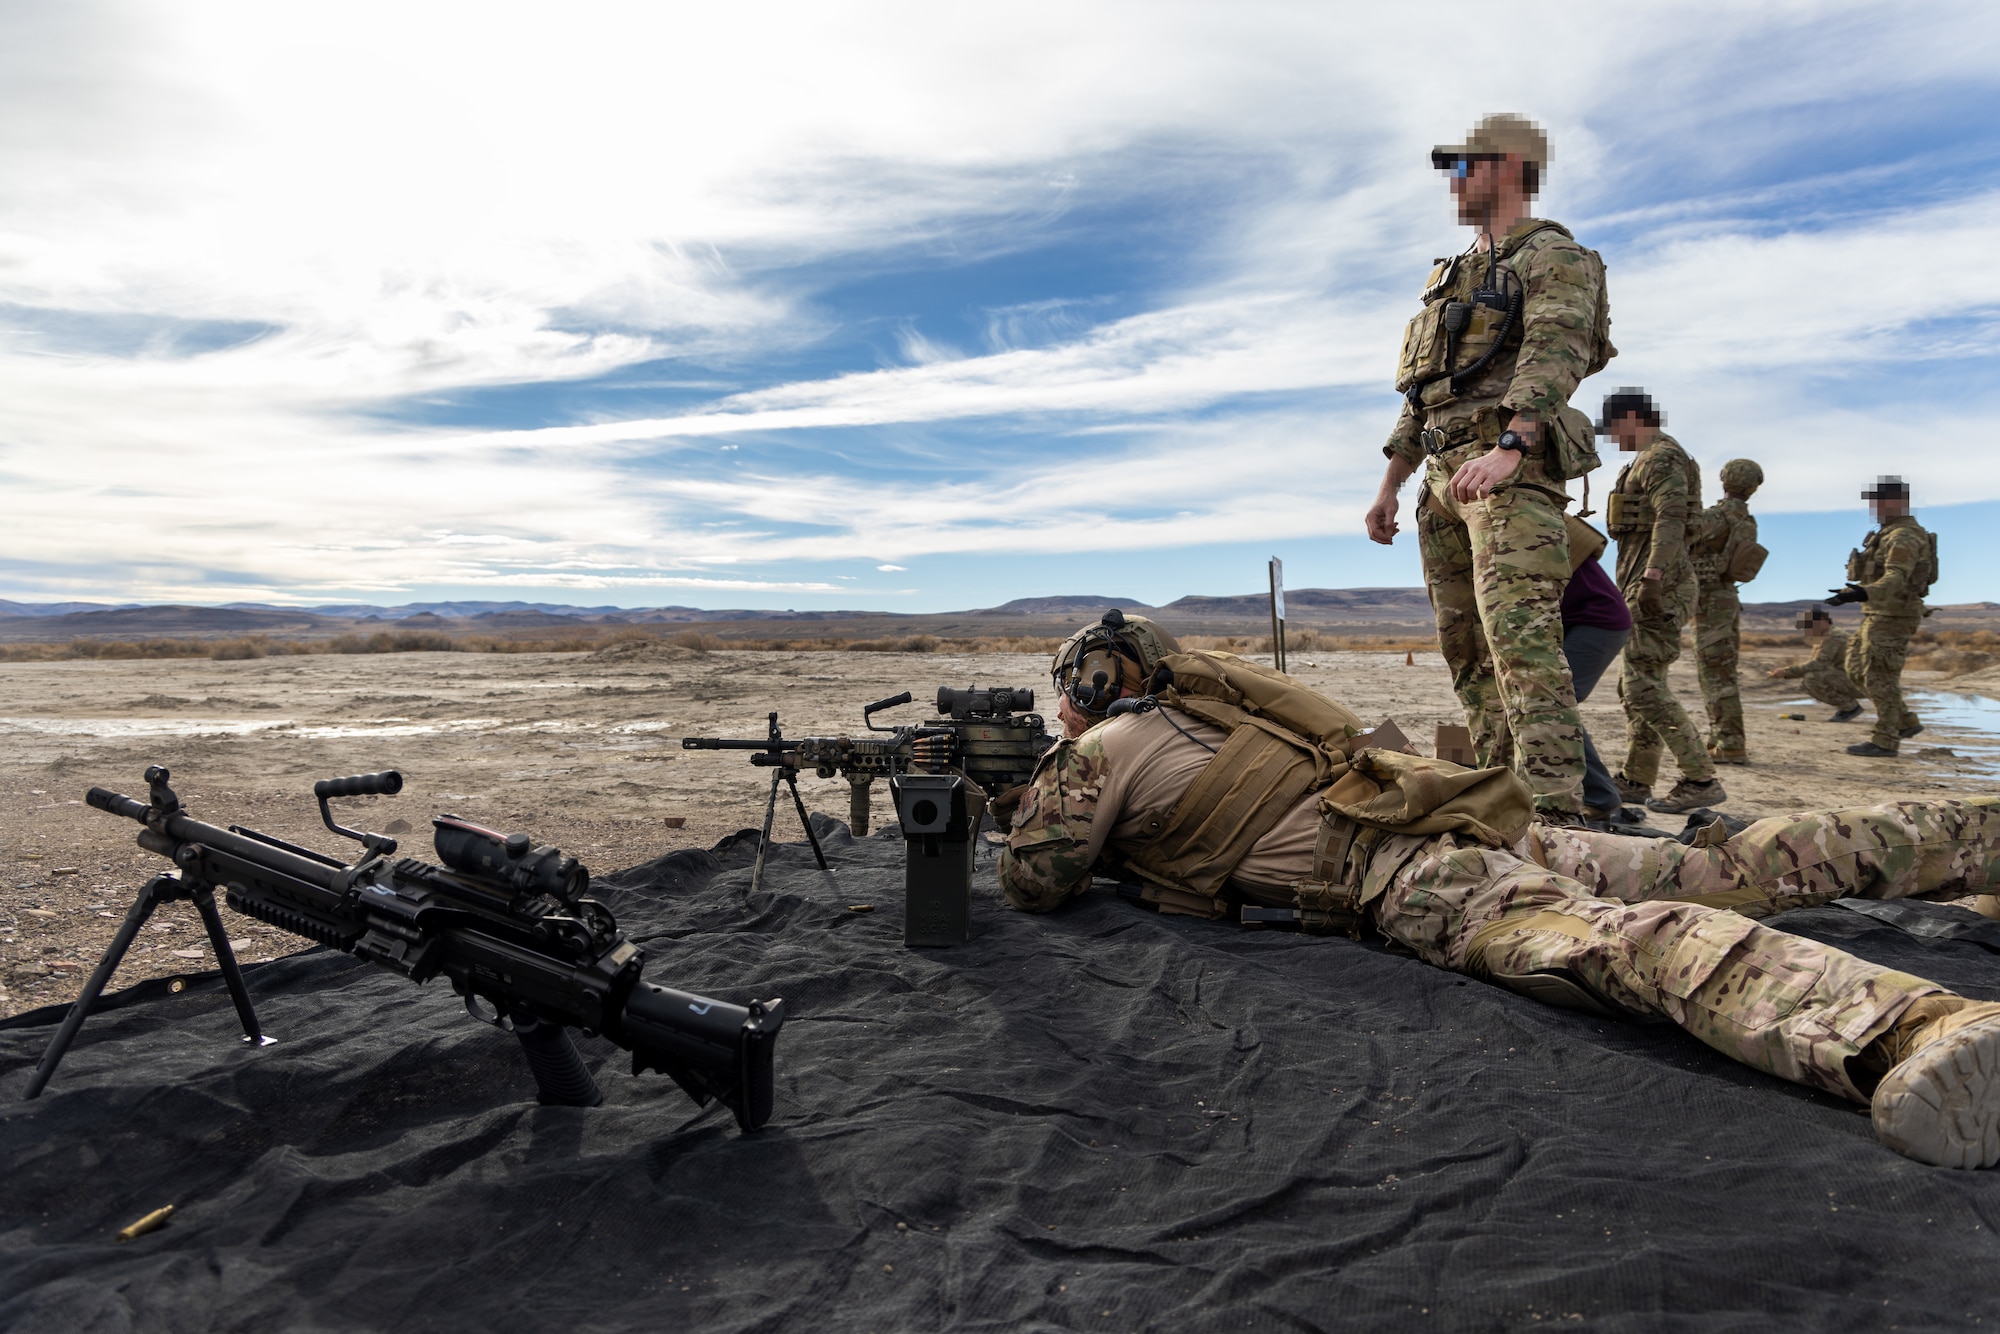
(1830, 685)
(1654, 719)
(1718, 632)
(1645, 925)
(1496, 569)
(1875, 663)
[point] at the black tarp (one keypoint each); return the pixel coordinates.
(1100, 1119)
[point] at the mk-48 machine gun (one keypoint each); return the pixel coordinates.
(941, 772)
(509, 923)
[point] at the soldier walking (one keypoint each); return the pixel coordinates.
(1648, 513)
(1727, 555)
(1507, 330)
(1888, 576)
(1824, 675)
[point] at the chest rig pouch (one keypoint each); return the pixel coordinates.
(1460, 330)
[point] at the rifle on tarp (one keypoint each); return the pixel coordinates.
(507, 922)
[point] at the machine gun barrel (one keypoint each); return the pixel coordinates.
(725, 743)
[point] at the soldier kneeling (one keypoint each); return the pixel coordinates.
(1824, 675)
(1230, 790)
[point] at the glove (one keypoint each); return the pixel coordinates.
(1003, 807)
(1652, 602)
(1851, 593)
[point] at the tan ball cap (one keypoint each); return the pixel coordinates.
(1500, 134)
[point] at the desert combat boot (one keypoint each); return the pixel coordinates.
(1940, 1101)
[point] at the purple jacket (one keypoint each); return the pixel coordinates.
(1592, 599)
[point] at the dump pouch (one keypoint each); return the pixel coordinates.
(1746, 563)
(1413, 794)
(1585, 542)
(1572, 446)
(1857, 567)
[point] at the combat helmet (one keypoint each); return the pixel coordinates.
(1111, 659)
(1741, 478)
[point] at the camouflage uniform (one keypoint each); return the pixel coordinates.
(1891, 565)
(1824, 675)
(1665, 489)
(1495, 568)
(1646, 925)
(1718, 619)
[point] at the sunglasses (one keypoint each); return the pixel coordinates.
(1460, 166)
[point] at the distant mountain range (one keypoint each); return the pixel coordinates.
(1401, 611)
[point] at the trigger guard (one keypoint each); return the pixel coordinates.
(495, 1017)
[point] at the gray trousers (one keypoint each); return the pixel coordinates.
(1590, 651)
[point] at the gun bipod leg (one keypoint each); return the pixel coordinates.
(764, 840)
(811, 837)
(232, 976)
(160, 889)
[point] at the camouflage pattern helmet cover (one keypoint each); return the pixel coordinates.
(1123, 649)
(1741, 478)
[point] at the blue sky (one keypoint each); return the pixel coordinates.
(913, 308)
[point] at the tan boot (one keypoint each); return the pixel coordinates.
(1940, 1101)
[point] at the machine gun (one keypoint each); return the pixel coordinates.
(989, 738)
(507, 922)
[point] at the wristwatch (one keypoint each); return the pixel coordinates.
(1513, 440)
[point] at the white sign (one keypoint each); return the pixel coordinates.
(1278, 588)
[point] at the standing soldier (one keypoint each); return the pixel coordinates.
(1824, 675)
(1727, 555)
(1648, 513)
(1896, 566)
(1507, 330)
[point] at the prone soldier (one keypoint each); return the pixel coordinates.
(1726, 553)
(1648, 513)
(1507, 330)
(1824, 675)
(1889, 575)
(1231, 792)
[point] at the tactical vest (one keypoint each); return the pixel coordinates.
(1627, 513)
(1285, 742)
(1868, 564)
(1453, 337)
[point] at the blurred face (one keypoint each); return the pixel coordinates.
(1632, 432)
(1817, 630)
(1888, 507)
(1477, 187)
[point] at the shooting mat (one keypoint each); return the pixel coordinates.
(1098, 1120)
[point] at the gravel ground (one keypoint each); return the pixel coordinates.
(582, 750)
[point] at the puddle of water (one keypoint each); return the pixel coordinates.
(125, 728)
(138, 727)
(1969, 725)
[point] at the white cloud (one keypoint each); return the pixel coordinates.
(420, 202)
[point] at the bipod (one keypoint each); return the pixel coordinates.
(160, 889)
(784, 772)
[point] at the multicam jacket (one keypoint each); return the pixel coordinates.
(1552, 347)
(1832, 655)
(1649, 511)
(1896, 564)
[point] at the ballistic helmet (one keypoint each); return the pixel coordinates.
(1741, 478)
(1108, 660)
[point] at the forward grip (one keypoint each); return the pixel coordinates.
(117, 803)
(561, 1078)
(385, 784)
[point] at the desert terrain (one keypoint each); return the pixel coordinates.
(582, 750)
